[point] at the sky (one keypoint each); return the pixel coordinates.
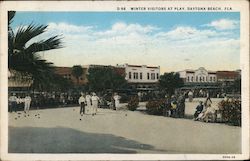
(174, 41)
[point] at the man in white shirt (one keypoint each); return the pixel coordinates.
(13, 102)
(27, 101)
(95, 100)
(117, 101)
(190, 96)
(88, 101)
(81, 102)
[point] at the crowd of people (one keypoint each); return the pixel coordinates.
(15, 102)
(174, 106)
(205, 111)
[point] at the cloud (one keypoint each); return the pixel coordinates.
(224, 24)
(186, 33)
(68, 28)
(173, 49)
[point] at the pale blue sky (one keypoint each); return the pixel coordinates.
(172, 40)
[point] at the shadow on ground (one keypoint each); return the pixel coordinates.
(67, 140)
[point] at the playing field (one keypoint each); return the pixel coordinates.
(61, 131)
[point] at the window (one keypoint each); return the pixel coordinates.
(129, 75)
(214, 79)
(187, 79)
(210, 79)
(157, 76)
(200, 79)
(148, 75)
(206, 79)
(203, 79)
(192, 79)
(136, 75)
(140, 75)
(153, 76)
(196, 78)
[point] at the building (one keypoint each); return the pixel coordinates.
(66, 72)
(142, 77)
(227, 76)
(16, 82)
(198, 76)
(200, 81)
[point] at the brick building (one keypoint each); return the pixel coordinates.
(66, 72)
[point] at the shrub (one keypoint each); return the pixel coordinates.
(155, 107)
(231, 111)
(133, 103)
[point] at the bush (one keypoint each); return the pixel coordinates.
(231, 111)
(155, 107)
(133, 103)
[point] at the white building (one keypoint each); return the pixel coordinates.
(200, 75)
(142, 76)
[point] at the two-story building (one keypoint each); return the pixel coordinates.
(142, 77)
(198, 76)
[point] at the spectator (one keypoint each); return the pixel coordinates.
(199, 110)
(190, 96)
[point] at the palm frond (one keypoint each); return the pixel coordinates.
(25, 34)
(49, 44)
(11, 15)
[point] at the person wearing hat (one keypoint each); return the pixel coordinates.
(82, 104)
(95, 100)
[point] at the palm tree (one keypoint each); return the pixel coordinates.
(24, 58)
(77, 72)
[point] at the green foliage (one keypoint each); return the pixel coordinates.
(155, 107)
(236, 86)
(170, 81)
(24, 58)
(231, 111)
(102, 78)
(133, 103)
(77, 72)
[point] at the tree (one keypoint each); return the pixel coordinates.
(77, 72)
(236, 86)
(100, 79)
(23, 52)
(170, 81)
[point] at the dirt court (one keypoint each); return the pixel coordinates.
(60, 130)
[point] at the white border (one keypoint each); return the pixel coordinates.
(238, 6)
